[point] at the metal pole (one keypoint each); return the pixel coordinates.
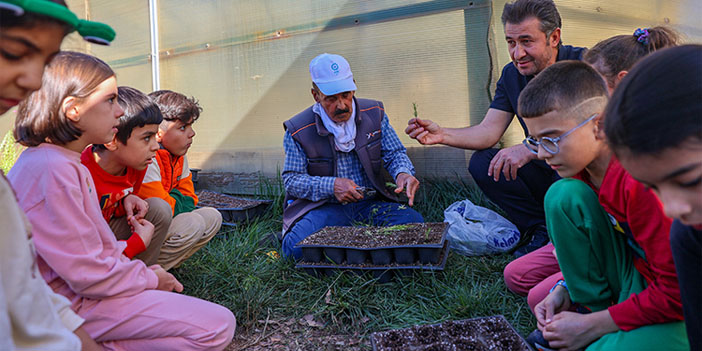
(153, 17)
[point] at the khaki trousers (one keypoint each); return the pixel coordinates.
(188, 233)
(160, 215)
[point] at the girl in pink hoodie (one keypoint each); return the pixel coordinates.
(125, 304)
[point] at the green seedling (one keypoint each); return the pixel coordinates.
(390, 185)
(414, 107)
(394, 228)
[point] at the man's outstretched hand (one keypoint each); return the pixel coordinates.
(424, 131)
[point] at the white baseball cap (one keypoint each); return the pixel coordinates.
(332, 74)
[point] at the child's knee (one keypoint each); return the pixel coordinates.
(211, 216)
(227, 327)
(568, 194)
(160, 214)
(513, 274)
(159, 209)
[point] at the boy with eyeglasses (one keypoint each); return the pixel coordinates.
(609, 232)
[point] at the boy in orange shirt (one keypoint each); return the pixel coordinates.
(118, 168)
(169, 178)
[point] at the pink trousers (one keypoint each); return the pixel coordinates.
(158, 320)
(533, 274)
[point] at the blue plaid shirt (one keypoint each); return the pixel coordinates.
(302, 185)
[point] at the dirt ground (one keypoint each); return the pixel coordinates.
(295, 334)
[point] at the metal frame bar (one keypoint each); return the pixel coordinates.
(155, 59)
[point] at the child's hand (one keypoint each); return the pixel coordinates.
(574, 331)
(558, 300)
(135, 206)
(143, 228)
(166, 281)
(87, 343)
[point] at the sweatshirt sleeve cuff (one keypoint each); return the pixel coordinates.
(151, 279)
(622, 317)
(135, 246)
(62, 305)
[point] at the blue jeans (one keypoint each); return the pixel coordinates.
(369, 212)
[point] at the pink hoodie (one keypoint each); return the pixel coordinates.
(78, 253)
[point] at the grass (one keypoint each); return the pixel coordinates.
(9, 152)
(236, 271)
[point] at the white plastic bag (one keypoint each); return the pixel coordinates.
(476, 230)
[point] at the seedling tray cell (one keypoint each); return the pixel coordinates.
(233, 209)
(379, 256)
(335, 254)
(404, 255)
(312, 254)
(428, 255)
(354, 256)
(485, 333)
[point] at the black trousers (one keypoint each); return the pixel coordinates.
(522, 199)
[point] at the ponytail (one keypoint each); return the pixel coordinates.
(621, 52)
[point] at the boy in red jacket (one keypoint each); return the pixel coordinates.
(118, 169)
(169, 178)
(609, 231)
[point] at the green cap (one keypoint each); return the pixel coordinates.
(95, 32)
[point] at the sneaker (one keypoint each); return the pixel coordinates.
(539, 238)
(537, 341)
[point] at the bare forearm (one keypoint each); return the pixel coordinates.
(470, 138)
(481, 136)
(601, 323)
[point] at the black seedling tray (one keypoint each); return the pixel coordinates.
(384, 273)
(194, 172)
(484, 333)
(383, 255)
(233, 215)
(244, 214)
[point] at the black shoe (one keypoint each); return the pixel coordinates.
(537, 341)
(537, 236)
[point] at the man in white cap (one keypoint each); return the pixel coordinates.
(336, 155)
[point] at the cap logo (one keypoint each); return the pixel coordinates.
(335, 68)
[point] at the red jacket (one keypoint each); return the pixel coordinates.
(641, 218)
(110, 191)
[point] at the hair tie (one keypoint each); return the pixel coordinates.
(642, 36)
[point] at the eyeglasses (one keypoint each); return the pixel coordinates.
(551, 144)
(94, 32)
